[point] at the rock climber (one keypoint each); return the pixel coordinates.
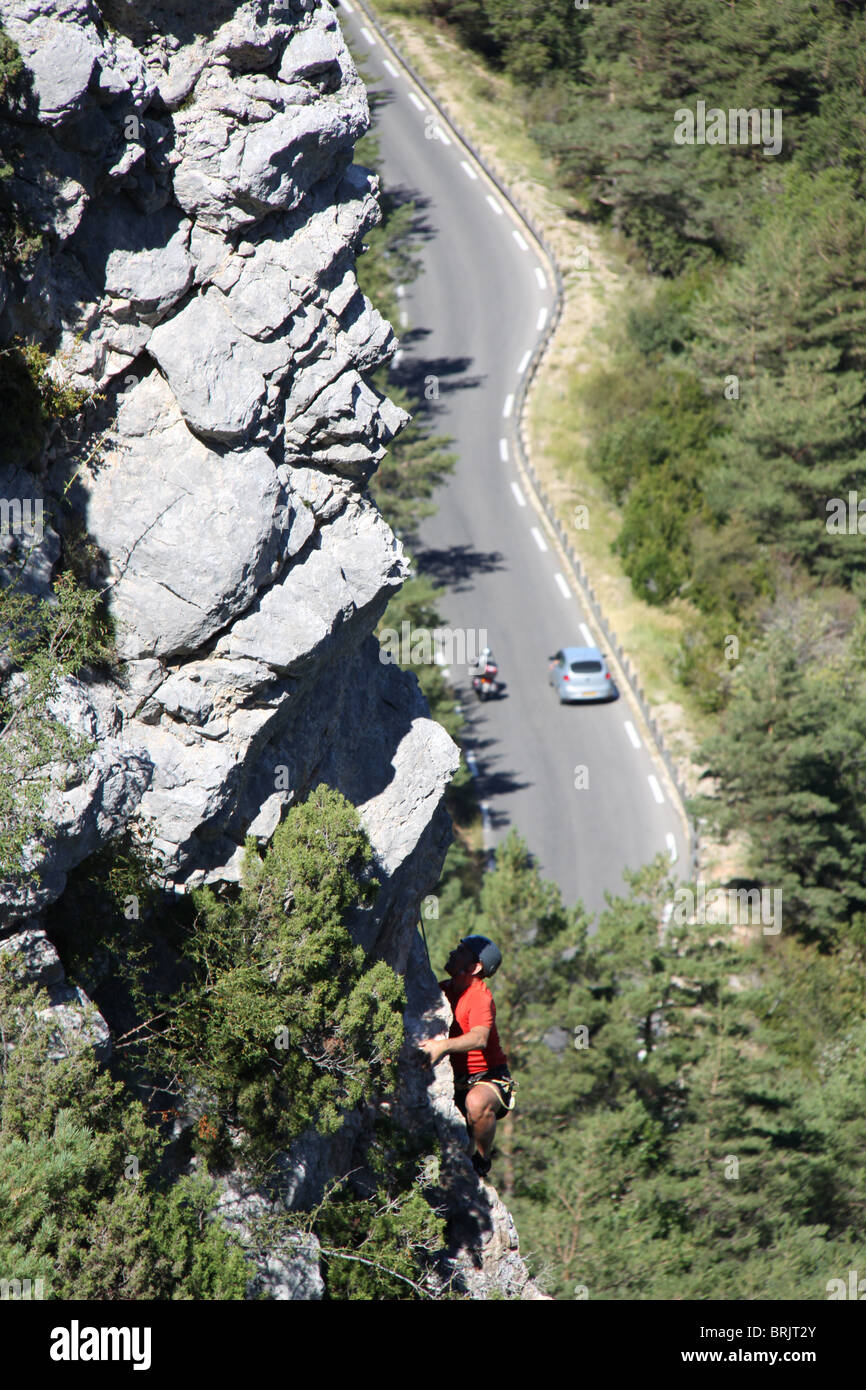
(483, 1088)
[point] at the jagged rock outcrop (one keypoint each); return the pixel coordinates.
(190, 170)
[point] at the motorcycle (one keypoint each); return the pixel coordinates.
(485, 683)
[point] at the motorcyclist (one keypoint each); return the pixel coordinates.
(486, 663)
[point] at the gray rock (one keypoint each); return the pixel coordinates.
(227, 181)
(357, 561)
(60, 57)
(84, 812)
(75, 1022)
(142, 260)
(328, 432)
(288, 1272)
(217, 374)
(310, 53)
(73, 1019)
(34, 956)
(185, 557)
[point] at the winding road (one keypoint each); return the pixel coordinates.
(581, 783)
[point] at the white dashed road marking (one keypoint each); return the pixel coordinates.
(563, 587)
(632, 733)
(672, 846)
(542, 319)
(390, 68)
(506, 409)
(493, 203)
(520, 241)
(524, 363)
(518, 495)
(366, 35)
(440, 135)
(540, 277)
(503, 450)
(656, 789)
(350, 9)
(472, 763)
(587, 635)
(419, 105)
(468, 170)
(538, 538)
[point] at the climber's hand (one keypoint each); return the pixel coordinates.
(435, 1048)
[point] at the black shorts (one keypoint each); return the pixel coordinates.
(498, 1077)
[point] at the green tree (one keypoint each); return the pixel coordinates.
(789, 323)
(283, 1023)
(83, 1203)
(789, 768)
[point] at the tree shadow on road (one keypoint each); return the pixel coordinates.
(492, 779)
(457, 565)
(415, 373)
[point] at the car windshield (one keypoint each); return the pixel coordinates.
(584, 667)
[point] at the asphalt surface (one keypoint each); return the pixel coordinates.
(577, 781)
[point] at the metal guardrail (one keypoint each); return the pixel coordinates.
(538, 354)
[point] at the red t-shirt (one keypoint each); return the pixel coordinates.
(474, 1008)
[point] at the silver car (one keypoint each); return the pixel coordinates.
(581, 673)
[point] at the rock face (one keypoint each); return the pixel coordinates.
(190, 171)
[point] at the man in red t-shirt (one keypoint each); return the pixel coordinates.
(482, 1083)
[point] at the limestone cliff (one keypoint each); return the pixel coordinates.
(190, 169)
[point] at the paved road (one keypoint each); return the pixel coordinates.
(473, 316)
